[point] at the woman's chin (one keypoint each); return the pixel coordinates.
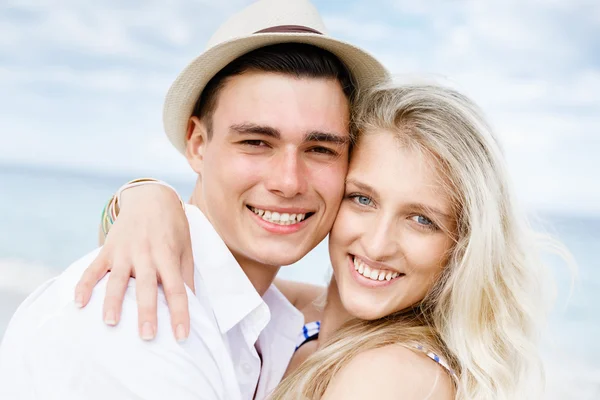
(364, 310)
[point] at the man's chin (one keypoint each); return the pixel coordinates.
(279, 260)
(278, 253)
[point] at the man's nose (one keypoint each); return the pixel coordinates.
(288, 177)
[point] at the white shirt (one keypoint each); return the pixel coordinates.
(54, 350)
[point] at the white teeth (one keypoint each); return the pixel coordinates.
(277, 218)
(372, 273)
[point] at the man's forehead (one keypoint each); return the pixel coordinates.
(253, 82)
(280, 103)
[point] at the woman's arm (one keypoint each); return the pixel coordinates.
(150, 241)
(101, 237)
(298, 293)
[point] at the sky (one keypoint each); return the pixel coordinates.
(82, 82)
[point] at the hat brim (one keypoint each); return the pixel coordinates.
(184, 92)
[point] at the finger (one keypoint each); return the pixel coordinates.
(115, 293)
(187, 267)
(91, 276)
(177, 300)
(146, 291)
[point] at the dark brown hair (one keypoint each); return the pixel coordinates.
(297, 59)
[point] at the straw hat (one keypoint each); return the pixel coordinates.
(263, 23)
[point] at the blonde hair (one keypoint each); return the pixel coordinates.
(485, 312)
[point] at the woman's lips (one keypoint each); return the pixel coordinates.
(370, 276)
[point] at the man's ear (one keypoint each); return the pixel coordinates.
(197, 139)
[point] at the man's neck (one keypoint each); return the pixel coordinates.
(260, 275)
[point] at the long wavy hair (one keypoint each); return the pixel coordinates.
(486, 310)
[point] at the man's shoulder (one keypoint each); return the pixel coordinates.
(50, 334)
(54, 294)
(53, 304)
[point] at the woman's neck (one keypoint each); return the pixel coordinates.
(334, 313)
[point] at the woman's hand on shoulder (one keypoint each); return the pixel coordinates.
(391, 372)
(150, 241)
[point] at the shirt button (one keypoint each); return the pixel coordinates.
(246, 368)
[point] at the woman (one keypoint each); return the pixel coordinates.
(430, 256)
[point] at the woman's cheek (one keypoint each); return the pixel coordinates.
(349, 223)
(425, 252)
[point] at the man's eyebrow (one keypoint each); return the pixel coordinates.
(248, 128)
(314, 136)
(329, 137)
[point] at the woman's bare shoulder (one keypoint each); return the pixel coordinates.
(391, 372)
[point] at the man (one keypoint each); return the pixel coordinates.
(262, 117)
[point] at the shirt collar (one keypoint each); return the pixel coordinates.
(287, 319)
(229, 291)
(278, 340)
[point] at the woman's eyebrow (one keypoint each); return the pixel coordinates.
(429, 209)
(365, 187)
(368, 189)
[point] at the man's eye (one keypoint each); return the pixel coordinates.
(255, 143)
(323, 150)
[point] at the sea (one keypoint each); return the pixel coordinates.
(49, 218)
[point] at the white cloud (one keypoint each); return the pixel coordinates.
(83, 82)
(353, 30)
(530, 65)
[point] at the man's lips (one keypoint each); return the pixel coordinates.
(282, 210)
(282, 216)
(282, 224)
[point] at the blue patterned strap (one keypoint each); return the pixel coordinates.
(309, 332)
(434, 357)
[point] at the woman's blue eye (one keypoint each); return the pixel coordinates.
(364, 200)
(422, 220)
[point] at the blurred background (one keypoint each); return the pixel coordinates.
(82, 85)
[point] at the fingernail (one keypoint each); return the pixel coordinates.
(110, 319)
(180, 333)
(79, 300)
(147, 331)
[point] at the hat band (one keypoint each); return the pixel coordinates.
(289, 29)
